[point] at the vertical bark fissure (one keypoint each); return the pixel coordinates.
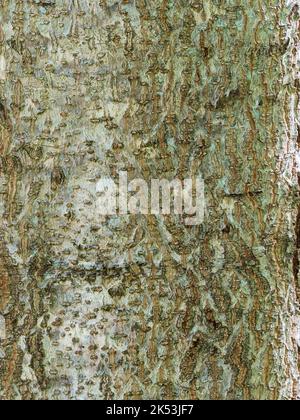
(296, 258)
(294, 21)
(296, 271)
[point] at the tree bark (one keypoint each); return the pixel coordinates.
(131, 307)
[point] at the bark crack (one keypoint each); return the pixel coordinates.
(296, 258)
(296, 268)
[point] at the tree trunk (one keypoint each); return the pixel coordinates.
(146, 307)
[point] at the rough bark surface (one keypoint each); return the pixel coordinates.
(145, 307)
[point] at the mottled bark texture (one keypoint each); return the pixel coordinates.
(145, 307)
